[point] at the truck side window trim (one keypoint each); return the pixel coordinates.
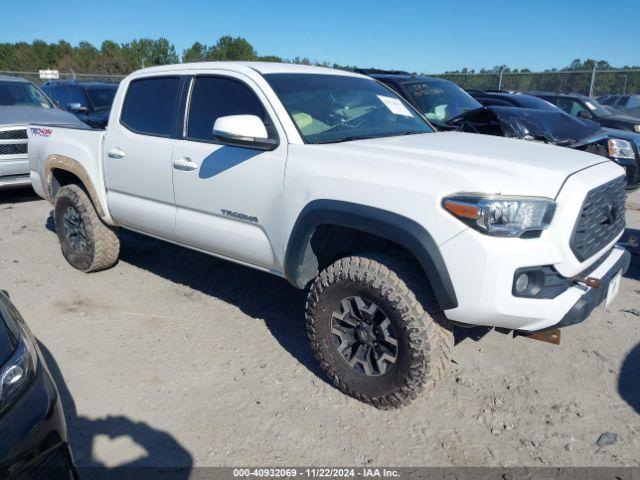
(268, 121)
(175, 106)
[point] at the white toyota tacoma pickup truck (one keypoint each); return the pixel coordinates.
(330, 180)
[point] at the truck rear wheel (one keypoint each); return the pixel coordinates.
(87, 242)
(375, 328)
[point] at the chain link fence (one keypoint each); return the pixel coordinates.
(81, 77)
(587, 82)
(596, 83)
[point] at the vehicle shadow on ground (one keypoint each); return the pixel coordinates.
(260, 295)
(628, 381)
(165, 457)
(17, 195)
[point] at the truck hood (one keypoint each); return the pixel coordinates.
(16, 115)
(471, 162)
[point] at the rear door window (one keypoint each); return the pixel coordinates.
(150, 107)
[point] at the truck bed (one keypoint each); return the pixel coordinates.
(51, 145)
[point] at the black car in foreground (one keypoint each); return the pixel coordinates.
(33, 432)
(89, 101)
(449, 107)
(590, 109)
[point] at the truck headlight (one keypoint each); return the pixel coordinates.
(502, 216)
(621, 149)
(17, 372)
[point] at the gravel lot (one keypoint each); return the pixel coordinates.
(174, 358)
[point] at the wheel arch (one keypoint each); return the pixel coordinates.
(301, 263)
(60, 171)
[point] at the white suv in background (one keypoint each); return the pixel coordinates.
(22, 103)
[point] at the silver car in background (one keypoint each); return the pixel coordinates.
(22, 103)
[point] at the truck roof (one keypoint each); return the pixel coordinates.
(260, 67)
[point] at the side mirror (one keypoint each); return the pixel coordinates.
(76, 107)
(243, 131)
(584, 114)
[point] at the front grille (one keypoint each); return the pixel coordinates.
(13, 149)
(13, 134)
(11, 142)
(601, 219)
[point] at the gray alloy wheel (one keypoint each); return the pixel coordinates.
(74, 230)
(364, 336)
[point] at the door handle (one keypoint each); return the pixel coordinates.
(185, 164)
(116, 153)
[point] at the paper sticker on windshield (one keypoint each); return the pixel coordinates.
(590, 105)
(395, 106)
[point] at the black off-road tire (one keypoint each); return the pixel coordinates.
(99, 246)
(424, 337)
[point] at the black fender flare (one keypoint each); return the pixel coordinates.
(301, 264)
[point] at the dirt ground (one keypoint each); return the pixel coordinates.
(173, 358)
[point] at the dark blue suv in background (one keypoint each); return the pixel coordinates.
(89, 101)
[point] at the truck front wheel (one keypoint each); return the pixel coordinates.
(87, 242)
(376, 331)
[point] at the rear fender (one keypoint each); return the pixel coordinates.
(60, 162)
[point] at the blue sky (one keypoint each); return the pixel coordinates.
(425, 36)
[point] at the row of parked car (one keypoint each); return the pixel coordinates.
(336, 183)
(568, 120)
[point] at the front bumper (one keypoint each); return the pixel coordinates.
(14, 172)
(595, 296)
(482, 268)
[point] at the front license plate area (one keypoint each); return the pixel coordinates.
(613, 289)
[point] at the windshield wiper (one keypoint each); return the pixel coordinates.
(408, 132)
(347, 138)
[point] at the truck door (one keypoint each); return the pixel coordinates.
(137, 163)
(228, 198)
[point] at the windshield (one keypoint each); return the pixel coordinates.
(440, 101)
(337, 108)
(101, 97)
(21, 94)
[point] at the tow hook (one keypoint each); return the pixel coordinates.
(549, 336)
(588, 281)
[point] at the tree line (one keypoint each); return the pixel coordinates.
(113, 58)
